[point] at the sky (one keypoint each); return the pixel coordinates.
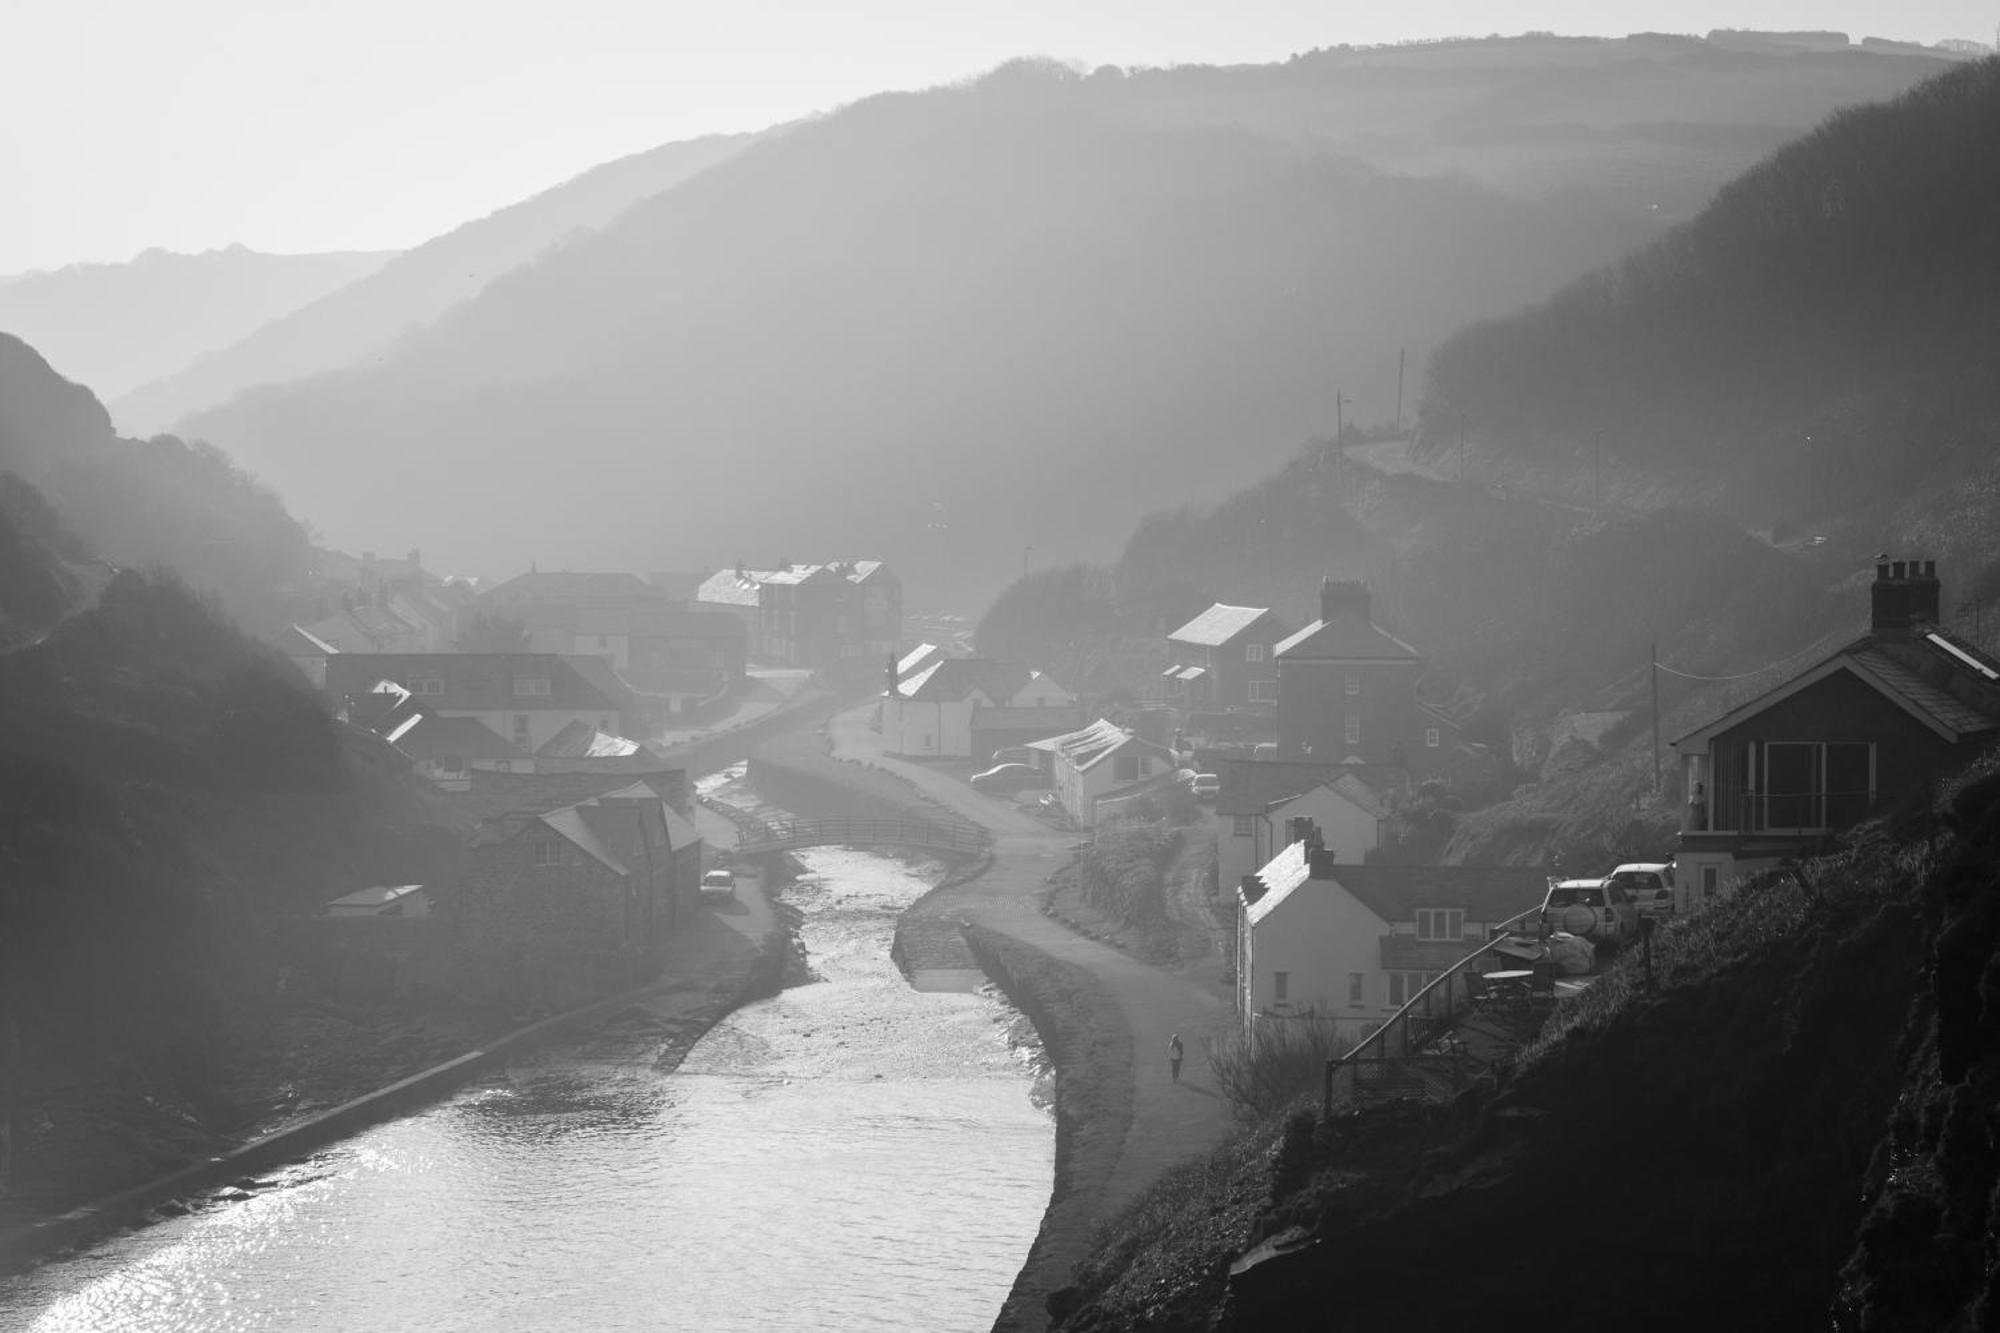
(309, 125)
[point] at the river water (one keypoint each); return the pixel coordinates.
(849, 1154)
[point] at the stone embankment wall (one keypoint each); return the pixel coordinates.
(1074, 1014)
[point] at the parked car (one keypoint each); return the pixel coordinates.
(1014, 754)
(719, 883)
(1205, 786)
(1649, 884)
(1004, 779)
(1596, 909)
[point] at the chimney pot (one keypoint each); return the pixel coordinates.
(1896, 569)
(1882, 570)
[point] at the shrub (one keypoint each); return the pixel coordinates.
(1261, 1076)
(1124, 873)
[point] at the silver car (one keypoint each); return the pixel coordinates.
(1596, 909)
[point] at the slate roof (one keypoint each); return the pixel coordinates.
(1253, 786)
(1219, 625)
(1090, 746)
(952, 679)
(664, 620)
(730, 587)
(562, 585)
(1394, 893)
(298, 641)
(919, 657)
(580, 740)
(1346, 637)
(380, 895)
(484, 682)
(456, 738)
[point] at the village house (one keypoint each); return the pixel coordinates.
(1223, 659)
(579, 899)
(683, 657)
(575, 612)
(307, 652)
(1347, 692)
(1327, 939)
(1259, 800)
(525, 698)
(447, 750)
(969, 707)
(371, 605)
(811, 615)
(1869, 728)
(1101, 765)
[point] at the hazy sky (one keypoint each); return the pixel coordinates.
(299, 125)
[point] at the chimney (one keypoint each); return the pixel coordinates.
(1302, 829)
(1342, 595)
(1905, 594)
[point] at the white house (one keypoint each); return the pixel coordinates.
(941, 706)
(1323, 938)
(1348, 804)
(1102, 762)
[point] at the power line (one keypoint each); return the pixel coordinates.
(1740, 675)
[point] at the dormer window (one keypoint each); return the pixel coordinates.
(546, 852)
(532, 685)
(427, 685)
(1253, 652)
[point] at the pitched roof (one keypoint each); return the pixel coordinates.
(1090, 746)
(1487, 893)
(484, 682)
(580, 740)
(919, 657)
(665, 620)
(380, 895)
(456, 738)
(1346, 637)
(562, 585)
(1253, 786)
(951, 679)
(1219, 624)
(731, 587)
(1947, 684)
(1278, 880)
(297, 641)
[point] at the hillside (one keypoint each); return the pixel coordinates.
(116, 326)
(1785, 1128)
(1019, 313)
(1815, 352)
(173, 795)
(363, 316)
(159, 503)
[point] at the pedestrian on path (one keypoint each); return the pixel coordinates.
(1174, 1055)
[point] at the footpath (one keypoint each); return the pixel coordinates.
(1126, 1010)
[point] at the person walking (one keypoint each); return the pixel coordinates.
(1174, 1055)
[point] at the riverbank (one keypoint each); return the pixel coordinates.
(725, 959)
(1101, 1014)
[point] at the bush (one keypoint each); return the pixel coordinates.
(1124, 873)
(1285, 1061)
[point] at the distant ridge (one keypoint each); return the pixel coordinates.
(363, 317)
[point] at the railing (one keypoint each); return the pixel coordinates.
(1397, 1051)
(930, 834)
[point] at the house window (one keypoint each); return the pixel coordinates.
(1353, 729)
(1710, 877)
(1241, 826)
(531, 685)
(1405, 986)
(1281, 986)
(521, 729)
(1125, 768)
(1440, 923)
(1357, 989)
(1253, 652)
(427, 685)
(1263, 691)
(1431, 737)
(1813, 785)
(545, 852)
(1353, 683)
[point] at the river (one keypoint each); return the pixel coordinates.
(849, 1154)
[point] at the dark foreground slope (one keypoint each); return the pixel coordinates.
(172, 798)
(1703, 1151)
(1817, 347)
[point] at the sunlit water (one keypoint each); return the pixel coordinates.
(849, 1155)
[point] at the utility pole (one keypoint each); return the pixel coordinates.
(1339, 422)
(1401, 352)
(1656, 718)
(1597, 475)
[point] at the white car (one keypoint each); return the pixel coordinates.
(1649, 884)
(1595, 909)
(719, 883)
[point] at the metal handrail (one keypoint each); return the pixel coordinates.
(1379, 1038)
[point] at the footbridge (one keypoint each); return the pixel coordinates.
(927, 835)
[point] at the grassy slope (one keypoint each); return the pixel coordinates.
(1697, 1150)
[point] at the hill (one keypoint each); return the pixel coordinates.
(146, 504)
(363, 316)
(1018, 313)
(1815, 352)
(116, 326)
(173, 796)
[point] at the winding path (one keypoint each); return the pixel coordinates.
(1170, 1121)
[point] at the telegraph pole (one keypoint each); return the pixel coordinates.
(1401, 352)
(1656, 718)
(1339, 423)
(1597, 480)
